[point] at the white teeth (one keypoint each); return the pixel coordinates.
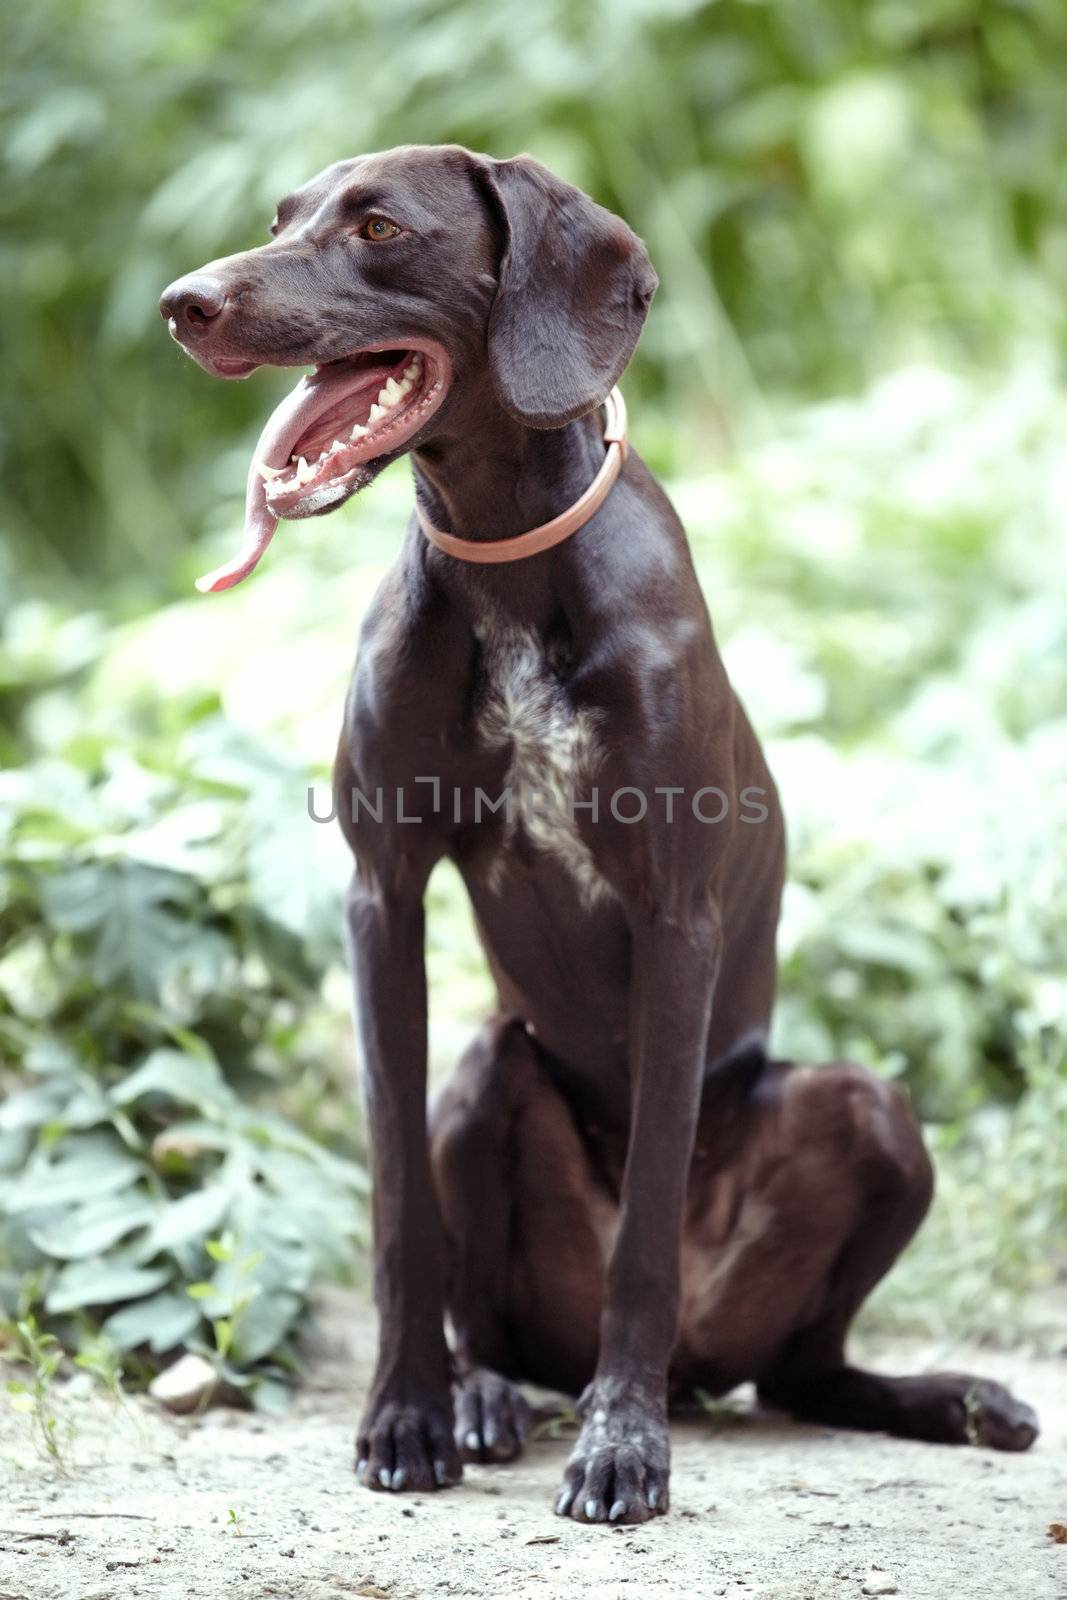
(376, 411)
(357, 432)
(268, 473)
(411, 371)
(393, 390)
(304, 473)
(338, 444)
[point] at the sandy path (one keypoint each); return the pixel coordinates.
(761, 1507)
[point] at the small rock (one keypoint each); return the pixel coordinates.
(189, 1383)
(878, 1583)
(124, 1558)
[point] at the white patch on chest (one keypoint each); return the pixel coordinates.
(524, 708)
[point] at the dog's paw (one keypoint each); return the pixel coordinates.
(403, 1445)
(619, 1469)
(995, 1418)
(492, 1418)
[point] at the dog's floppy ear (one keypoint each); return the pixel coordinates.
(573, 290)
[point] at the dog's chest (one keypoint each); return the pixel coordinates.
(523, 707)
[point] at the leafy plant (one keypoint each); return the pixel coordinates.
(827, 189)
(150, 989)
(27, 1345)
(884, 576)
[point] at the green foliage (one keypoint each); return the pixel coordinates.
(884, 576)
(826, 187)
(151, 989)
(42, 1354)
(887, 578)
(830, 191)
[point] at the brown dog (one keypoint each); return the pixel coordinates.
(620, 1194)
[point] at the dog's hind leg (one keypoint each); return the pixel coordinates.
(524, 1264)
(812, 1378)
(873, 1153)
(802, 1196)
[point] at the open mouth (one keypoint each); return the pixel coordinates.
(329, 437)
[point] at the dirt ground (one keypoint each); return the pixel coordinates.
(760, 1506)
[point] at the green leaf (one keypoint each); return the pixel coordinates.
(129, 913)
(189, 1219)
(181, 839)
(99, 1282)
(51, 1054)
(162, 1322)
(271, 1396)
(262, 1326)
(89, 1229)
(84, 1164)
(29, 1108)
(289, 864)
(188, 1080)
(29, 981)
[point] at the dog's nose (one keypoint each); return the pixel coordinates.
(191, 304)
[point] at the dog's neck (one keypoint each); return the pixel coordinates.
(496, 479)
(499, 478)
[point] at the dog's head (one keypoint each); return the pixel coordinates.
(412, 281)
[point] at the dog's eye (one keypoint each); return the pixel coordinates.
(378, 228)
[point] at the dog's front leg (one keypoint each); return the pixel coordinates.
(619, 1468)
(405, 1438)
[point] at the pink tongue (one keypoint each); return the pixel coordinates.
(312, 397)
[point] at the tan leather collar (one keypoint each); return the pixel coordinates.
(561, 527)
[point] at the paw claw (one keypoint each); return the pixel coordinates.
(618, 1468)
(492, 1417)
(406, 1445)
